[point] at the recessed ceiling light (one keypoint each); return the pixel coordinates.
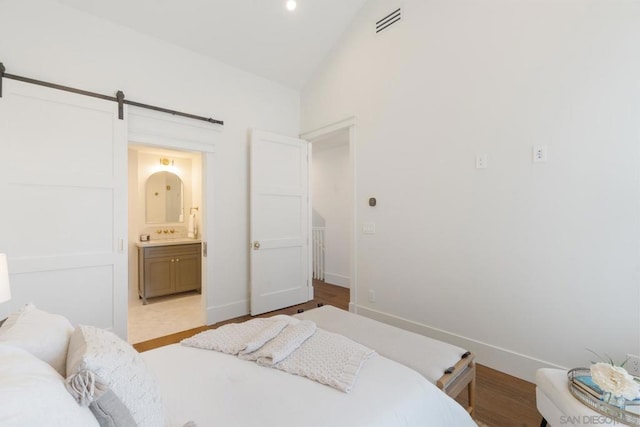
(291, 4)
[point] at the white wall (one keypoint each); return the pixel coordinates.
(331, 196)
(44, 40)
(526, 264)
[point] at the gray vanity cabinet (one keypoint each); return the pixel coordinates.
(166, 270)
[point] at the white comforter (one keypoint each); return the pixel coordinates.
(290, 345)
(216, 389)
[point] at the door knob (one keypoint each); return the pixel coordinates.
(256, 245)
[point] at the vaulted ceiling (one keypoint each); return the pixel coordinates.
(258, 36)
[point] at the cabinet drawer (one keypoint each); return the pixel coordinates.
(172, 250)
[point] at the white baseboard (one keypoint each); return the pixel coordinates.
(507, 361)
(337, 279)
(352, 308)
(218, 313)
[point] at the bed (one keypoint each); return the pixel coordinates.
(52, 373)
(234, 392)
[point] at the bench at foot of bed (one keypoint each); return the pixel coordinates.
(450, 368)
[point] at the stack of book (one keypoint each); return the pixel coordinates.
(586, 384)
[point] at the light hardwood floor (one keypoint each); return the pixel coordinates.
(501, 400)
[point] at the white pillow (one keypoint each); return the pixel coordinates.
(121, 368)
(42, 334)
(32, 393)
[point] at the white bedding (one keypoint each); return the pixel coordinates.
(299, 348)
(216, 389)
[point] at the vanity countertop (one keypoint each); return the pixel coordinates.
(167, 242)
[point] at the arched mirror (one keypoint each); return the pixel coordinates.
(164, 198)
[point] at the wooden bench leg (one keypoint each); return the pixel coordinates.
(471, 390)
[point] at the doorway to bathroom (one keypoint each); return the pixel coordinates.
(165, 222)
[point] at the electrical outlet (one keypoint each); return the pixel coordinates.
(482, 161)
(633, 365)
(372, 295)
(540, 154)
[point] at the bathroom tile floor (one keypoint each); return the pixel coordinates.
(163, 316)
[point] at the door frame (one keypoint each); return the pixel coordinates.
(160, 130)
(348, 124)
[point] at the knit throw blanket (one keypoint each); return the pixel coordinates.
(290, 345)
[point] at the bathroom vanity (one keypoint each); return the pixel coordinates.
(169, 267)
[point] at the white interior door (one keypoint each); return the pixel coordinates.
(280, 222)
(63, 221)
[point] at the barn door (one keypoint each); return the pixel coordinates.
(64, 205)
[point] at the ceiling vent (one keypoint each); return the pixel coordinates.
(389, 20)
